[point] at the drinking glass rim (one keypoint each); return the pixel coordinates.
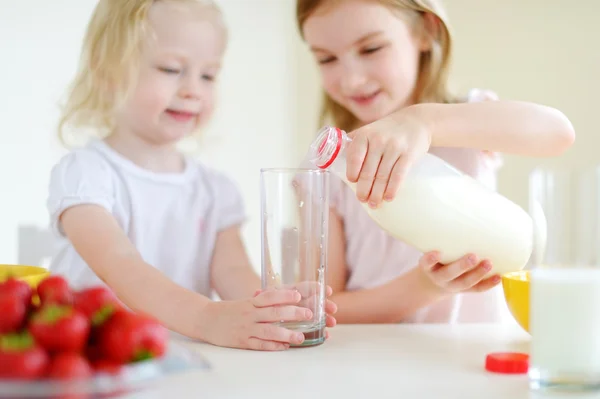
(283, 170)
(569, 274)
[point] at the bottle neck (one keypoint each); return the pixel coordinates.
(327, 146)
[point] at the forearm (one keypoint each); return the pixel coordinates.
(389, 303)
(145, 289)
(515, 127)
(106, 249)
(242, 283)
(232, 275)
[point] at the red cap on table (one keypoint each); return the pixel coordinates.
(507, 363)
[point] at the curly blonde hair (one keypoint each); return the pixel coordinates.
(109, 63)
(434, 65)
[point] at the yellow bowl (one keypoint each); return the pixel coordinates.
(32, 275)
(516, 293)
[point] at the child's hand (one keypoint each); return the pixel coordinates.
(309, 293)
(380, 154)
(247, 324)
(464, 275)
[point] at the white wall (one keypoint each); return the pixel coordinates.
(253, 127)
(544, 51)
(40, 44)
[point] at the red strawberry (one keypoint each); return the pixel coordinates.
(97, 303)
(55, 290)
(21, 358)
(13, 312)
(128, 337)
(68, 366)
(60, 328)
(18, 288)
(107, 366)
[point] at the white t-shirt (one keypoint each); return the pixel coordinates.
(173, 219)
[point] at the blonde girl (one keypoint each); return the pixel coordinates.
(160, 229)
(384, 68)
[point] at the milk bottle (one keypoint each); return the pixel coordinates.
(439, 208)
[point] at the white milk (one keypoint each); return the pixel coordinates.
(456, 215)
(565, 323)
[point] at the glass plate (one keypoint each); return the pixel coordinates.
(131, 378)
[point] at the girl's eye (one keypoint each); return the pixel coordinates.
(208, 78)
(371, 50)
(326, 60)
(170, 70)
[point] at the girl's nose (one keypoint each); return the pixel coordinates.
(352, 79)
(190, 88)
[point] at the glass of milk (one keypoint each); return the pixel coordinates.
(294, 233)
(565, 281)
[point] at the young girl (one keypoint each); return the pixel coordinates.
(384, 67)
(159, 228)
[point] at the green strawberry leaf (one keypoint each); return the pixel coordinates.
(53, 313)
(102, 314)
(16, 342)
(142, 355)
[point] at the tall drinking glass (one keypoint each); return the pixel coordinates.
(294, 231)
(565, 281)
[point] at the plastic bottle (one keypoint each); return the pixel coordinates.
(440, 208)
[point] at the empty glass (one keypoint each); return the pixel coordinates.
(565, 281)
(294, 231)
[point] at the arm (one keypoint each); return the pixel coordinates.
(505, 126)
(107, 250)
(389, 303)
(231, 272)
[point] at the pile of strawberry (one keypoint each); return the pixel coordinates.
(54, 332)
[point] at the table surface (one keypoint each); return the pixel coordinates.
(362, 361)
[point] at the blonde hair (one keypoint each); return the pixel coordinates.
(108, 63)
(434, 65)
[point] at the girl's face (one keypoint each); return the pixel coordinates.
(368, 56)
(175, 89)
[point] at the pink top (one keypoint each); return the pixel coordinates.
(374, 258)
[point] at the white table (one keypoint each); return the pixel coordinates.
(362, 361)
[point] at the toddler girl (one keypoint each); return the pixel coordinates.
(160, 229)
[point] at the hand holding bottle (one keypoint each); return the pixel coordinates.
(381, 153)
(465, 275)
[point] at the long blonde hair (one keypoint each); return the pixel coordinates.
(434, 65)
(108, 64)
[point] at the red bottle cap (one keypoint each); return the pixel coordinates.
(507, 363)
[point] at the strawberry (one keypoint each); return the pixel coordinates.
(13, 312)
(107, 366)
(129, 337)
(21, 358)
(55, 290)
(18, 288)
(68, 366)
(97, 304)
(60, 328)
